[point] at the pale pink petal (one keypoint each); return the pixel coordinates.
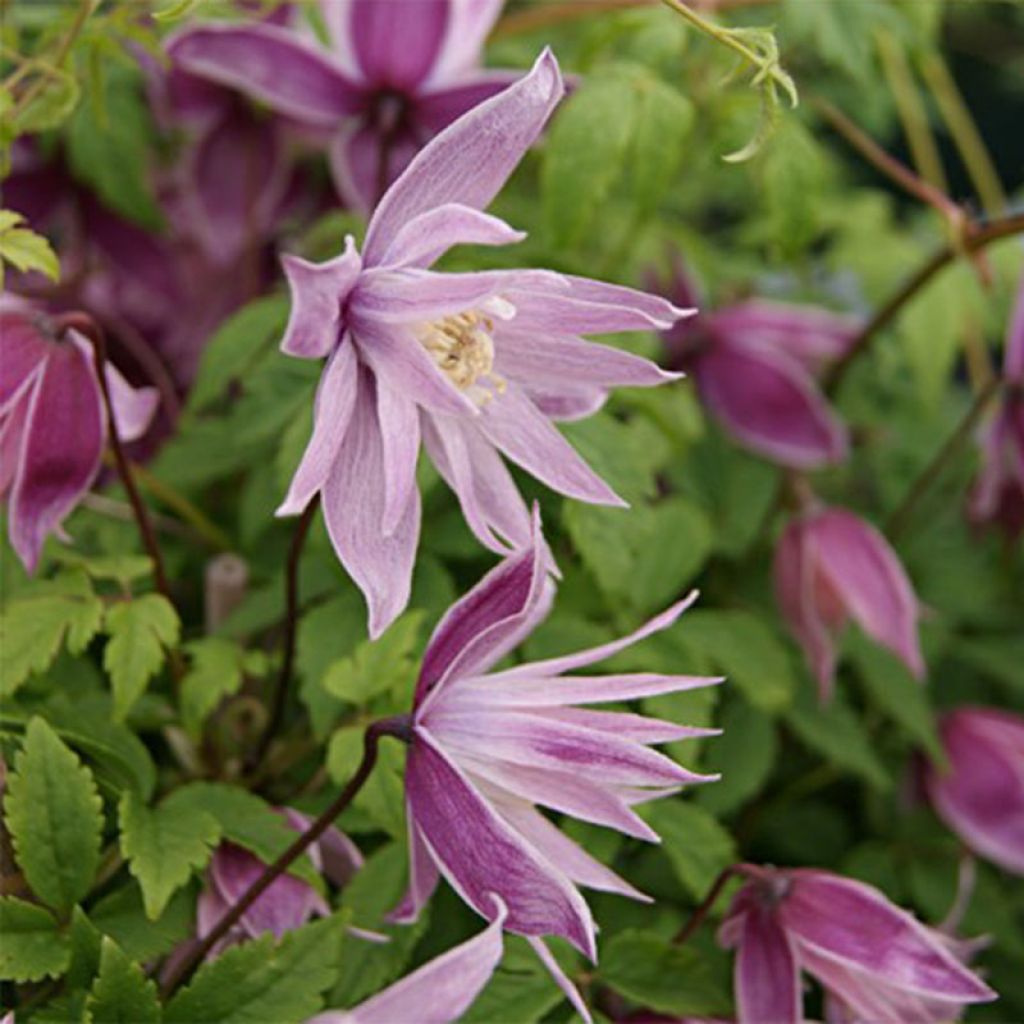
(556, 972)
(423, 875)
(471, 159)
(623, 309)
(766, 973)
(333, 853)
(469, 21)
(134, 408)
(362, 167)
(655, 307)
(12, 433)
(400, 432)
(627, 726)
(564, 403)
(396, 42)
(437, 107)
(337, 18)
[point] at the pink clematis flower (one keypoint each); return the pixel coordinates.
(980, 796)
(831, 566)
(288, 903)
(486, 747)
(876, 962)
(393, 76)
(755, 363)
(472, 364)
(53, 428)
(998, 493)
(440, 991)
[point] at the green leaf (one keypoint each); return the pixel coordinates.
(697, 846)
(121, 994)
(33, 946)
(215, 673)
(259, 982)
(140, 633)
(741, 646)
(662, 977)
(86, 940)
(165, 844)
(33, 627)
(54, 815)
(744, 755)
(520, 992)
(377, 666)
(52, 105)
(383, 796)
(26, 250)
(122, 916)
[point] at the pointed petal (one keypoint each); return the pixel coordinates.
(469, 21)
(318, 291)
(134, 408)
(395, 42)
(437, 107)
(856, 925)
(332, 412)
(627, 726)
(439, 992)
(471, 159)
(480, 854)
(515, 425)
(12, 435)
(556, 972)
(23, 353)
(655, 307)
(624, 309)
(272, 65)
(381, 566)
(430, 235)
(400, 433)
(61, 448)
(333, 853)
(518, 688)
(766, 973)
(423, 875)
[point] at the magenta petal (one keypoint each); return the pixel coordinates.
(484, 855)
(318, 291)
(62, 445)
(767, 976)
(439, 992)
(769, 403)
(856, 925)
(380, 565)
(471, 159)
(396, 42)
(423, 875)
(272, 65)
(23, 351)
(355, 155)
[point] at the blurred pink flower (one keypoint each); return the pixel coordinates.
(832, 566)
(53, 427)
(393, 75)
(487, 747)
(980, 796)
(876, 962)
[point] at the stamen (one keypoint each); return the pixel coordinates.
(461, 345)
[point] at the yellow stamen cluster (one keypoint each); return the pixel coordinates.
(462, 347)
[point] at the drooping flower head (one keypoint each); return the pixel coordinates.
(53, 428)
(474, 365)
(393, 75)
(877, 963)
(487, 747)
(980, 794)
(998, 493)
(755, 363)
(830, 567)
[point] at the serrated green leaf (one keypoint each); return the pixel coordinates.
(122, 916)
(215, 673)
(140, 631)
(26, 250)
(697, 846)
(85, 940)
(259, 982)
(121, 993)
(165, 844)
(54, 815)
(383, 795)
(377, 666)
(33, 946)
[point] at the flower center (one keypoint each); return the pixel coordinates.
(463, 348)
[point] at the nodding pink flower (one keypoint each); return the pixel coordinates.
(394, 74)
(832, 566)
(980, 794)
(53, 427)
(754, 363)
(487, 747)
(439, 992)
(288, 903)
(998, 493)
(876, 962)
(474, 365)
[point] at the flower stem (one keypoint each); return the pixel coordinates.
(291, 627)
(700, 913)
(398, 727)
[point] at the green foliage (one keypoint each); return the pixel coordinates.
(33, 946)
(24, 249)
(52, 811)
(121, 993)
(697, 846)
(217, 669)
(377, 666)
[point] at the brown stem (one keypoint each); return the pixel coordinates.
(291, 626)
(84, 324)
(975, 237)
(399, 727)
(899, 520)
(700, 913)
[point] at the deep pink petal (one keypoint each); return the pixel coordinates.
(423, 875)
(471, 159)
(767, 976)
(23, 350)
(363, 165)
(272, 65)
(396, 42)
(480, 854)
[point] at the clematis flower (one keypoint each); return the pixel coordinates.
(980, 795)
(53, 428)
(832, 566)
(876, 962)
(487, 747)
(393, 76)
(998, 494)
(475, 365)
(755, 363)
(440, 991)
(289, 902)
